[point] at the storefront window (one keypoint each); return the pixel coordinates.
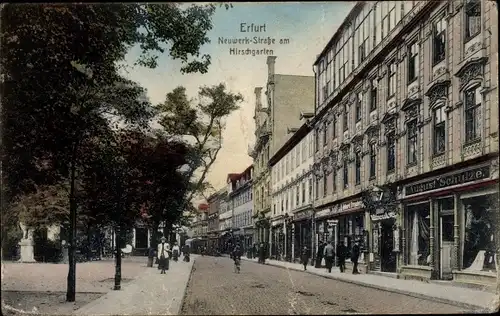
(479, 243)
(418, 222)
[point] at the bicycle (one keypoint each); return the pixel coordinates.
(237, 264)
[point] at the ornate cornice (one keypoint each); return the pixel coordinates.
(344, 145)
(410, 103)
(438, 91)
(358, 138)
(389, 117)
(471, 70)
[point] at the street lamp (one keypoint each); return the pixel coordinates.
(377, 194)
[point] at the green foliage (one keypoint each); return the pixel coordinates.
(202, 121)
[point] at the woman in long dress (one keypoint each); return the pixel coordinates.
(163, 255)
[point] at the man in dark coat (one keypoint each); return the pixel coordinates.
(341, 254)
(329, 254)
(355, 257)
(262, 253)
(319, 255)
(305, 257)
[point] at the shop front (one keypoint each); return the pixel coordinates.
(277, 243)
(263, 227)
(384, 228)
(302, 232)
(346, 222)
(248, 233)
(385, 245)
(449, 223)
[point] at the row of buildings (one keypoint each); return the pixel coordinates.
(393, 143)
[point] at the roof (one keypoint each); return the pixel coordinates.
(240, 175)
(338, 33)
(202, 206)
(233, 176)
(290, 143)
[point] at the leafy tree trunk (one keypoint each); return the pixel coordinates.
(71, 281)
(89, 243)
(118, 264)
(154, 234)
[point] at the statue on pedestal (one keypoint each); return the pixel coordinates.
(27, 232)
(26, 243)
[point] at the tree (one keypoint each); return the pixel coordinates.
(59, 79)
(201, 121)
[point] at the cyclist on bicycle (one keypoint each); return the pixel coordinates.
(236, 256)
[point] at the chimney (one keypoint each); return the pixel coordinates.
(270, 65)
(258, 98)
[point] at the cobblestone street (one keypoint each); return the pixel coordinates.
(214, 289)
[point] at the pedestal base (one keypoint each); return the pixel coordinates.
(27, 253)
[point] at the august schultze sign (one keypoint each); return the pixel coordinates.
(449, 180)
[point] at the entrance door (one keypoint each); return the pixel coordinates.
(388, 259)
(446, 246)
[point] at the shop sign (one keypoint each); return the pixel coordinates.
(302, 215)
(449, 180)
(323, 212)
(352, 205)
(332, 222)
(379, 217)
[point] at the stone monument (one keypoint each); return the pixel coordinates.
(65, 256)
(26, 243)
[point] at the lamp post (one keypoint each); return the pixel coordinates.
(287, 220)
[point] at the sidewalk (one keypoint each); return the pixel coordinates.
(464, 297)
(150, 294)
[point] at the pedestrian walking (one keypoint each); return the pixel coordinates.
(186, 253)
(163, 255)
(341, 255)
(175, 252)
(319, 254)
(305, 257)
(262, 253)
(329, 253)
(355, 257)
(151, 256)
(254, 250)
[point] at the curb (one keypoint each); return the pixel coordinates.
(193, 259)
(388, 289)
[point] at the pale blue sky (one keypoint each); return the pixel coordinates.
(309, 26)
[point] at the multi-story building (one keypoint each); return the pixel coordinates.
(199, 225)
(225, 219)
(214, 207)
(241, 203)
(292, 195)
(407, 104)
(287, 96)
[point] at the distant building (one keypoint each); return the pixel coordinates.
(287, 96)
(241, 204)
(292, 195)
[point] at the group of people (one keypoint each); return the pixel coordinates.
(327, 252)
(165, 252)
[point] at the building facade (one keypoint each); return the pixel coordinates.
(214, 205)
(199, 226)
(241, 202)
(225, 221)
(407, 101)
(287, 96)
(292, 196)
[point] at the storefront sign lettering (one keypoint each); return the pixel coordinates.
(351, 205)
(449, 180)
(332, 222)
(380, 217)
